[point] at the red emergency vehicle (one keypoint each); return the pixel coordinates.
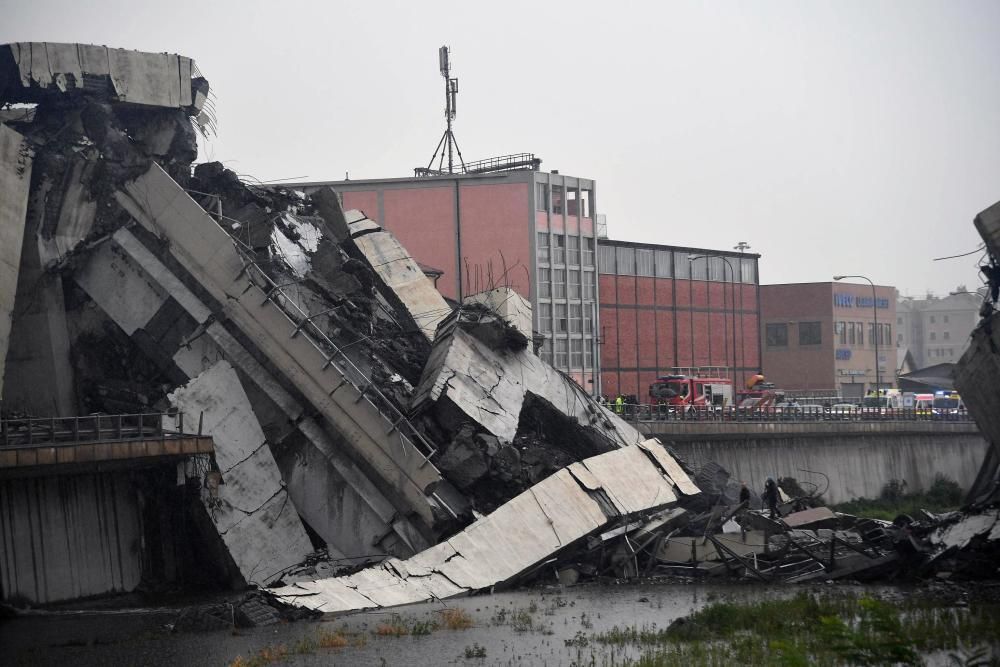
(698, 391)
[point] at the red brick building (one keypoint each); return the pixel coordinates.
(530, 230)
(535, 231)
(668, 307)
(820, 337)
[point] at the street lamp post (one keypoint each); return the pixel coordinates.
(732, 275)
(878, 373)
(741, 247)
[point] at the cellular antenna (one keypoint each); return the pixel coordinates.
(448, 144)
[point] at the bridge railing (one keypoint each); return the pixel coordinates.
(808, 413)
(33, 431)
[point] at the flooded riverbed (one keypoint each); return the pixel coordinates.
(529, 627)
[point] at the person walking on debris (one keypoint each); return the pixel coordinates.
(771, 496)
(744, 494)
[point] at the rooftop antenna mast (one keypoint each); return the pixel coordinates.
(448, 142)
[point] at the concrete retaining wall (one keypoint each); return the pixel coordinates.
(858, 457)
(69, 536)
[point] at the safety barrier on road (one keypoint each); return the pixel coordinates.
(644, 412)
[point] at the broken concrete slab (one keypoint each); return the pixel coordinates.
(15, 182)
(330, 491)
(34, 70)
(400, 276)
(250, 507)
(507, 304)
(490, 388)
(529, 529)
(348, 399)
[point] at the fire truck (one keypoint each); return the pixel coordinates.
(692, 390)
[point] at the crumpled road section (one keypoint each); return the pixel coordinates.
(525, 532)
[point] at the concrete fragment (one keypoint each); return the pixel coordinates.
(15, 180)
(509, 305)
(490, 387)
(135, 77)
(963, 531)
(250, 510)
(328, 489)
(401, 278)
(532, 527)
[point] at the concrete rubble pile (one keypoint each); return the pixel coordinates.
(353, 410)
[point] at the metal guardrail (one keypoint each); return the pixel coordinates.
(54, 431)
(303, 324)
(653, 413)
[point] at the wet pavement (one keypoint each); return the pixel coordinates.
(528, 627)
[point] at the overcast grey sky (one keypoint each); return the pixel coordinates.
(835, 137)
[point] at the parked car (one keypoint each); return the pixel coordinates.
(812, 411)
(845, 411)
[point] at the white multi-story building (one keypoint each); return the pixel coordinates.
(936, 329)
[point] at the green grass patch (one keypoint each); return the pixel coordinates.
(943, 495)
(813, 629)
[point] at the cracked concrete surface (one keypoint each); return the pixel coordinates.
(529, 529)
(250, 510)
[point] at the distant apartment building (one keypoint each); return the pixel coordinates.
(821, 337)
(666, 308)
(936, 330)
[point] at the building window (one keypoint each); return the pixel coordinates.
(572, 201)
(588, 319)
(946, 319)
(932, 319)
(840, 331)
(851, 336)
(576, 353)
(557, 199)
(545, 317)
(810, 333)
(861, 332)
(626, 262)
(588, 356)
(573, 250)
(542, 247)
(547, 351)
(933, 336)
(558, 249)
(748, 271)
(560, 355)
(682, 268)
(662, 264)
(777, 335)
(588, 284)
(699, 268)
(588, 252)
(606, 259)
(899, 320)
(586, 196)
(946, 335)
(716, 269)
(643, 262)
(559, 283)
(575, 317)
(561, 325)
(544, 283)
(542, 196)
(574, 283)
